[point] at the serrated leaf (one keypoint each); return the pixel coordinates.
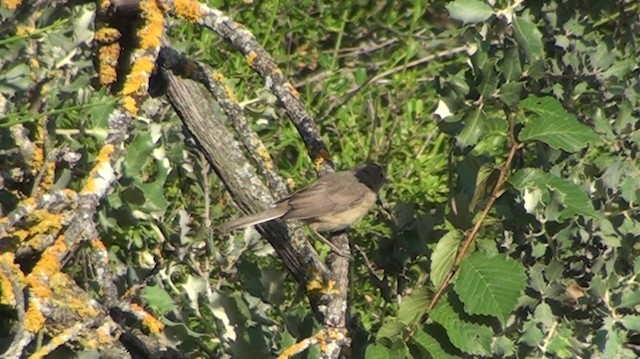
(474, 128)
(632, 322)
(510, 93)
(573, 199)
(468, 337)
(553, 125)
(391, 328)
(414, 306)
(529, 38)
(158, 299)
(430, 344)
(490, 285)
(469, 11)
(443, 256)
(377, 351)
(510, 67)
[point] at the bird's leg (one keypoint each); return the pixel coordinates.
(333, 247)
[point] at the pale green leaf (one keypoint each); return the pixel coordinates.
(469, 11)
(529, 38)
(443, 256)
(553, 125)
(490, 285)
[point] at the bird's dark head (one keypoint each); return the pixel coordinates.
(371, 174)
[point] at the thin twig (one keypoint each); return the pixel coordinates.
(497, 192)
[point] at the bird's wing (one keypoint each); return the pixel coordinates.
(330, 194)
(260, 217)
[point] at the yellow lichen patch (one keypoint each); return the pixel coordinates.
(231, 94)
(129, 104)
(105, 153)
(153, 324)
(33, 318)
(97, 244)
(47, 179)
(65, 288)
(34, 63)
(251, 58)
(49, 263)
(103, 159)
(36, 160)
(293, 90)
(151, 32)
(11, 4)
(48, 223)
(188, 10)
(108, 60)
(107, 34)
(14, 274)
(264, 153)
(6, 291)
(20, 234)
(22, 30)
(217, 76)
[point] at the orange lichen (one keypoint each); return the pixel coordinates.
(22, 30)
(103, 159)
(108, 61)
(47, 180)
(153, 324)
(217, 76)
(36, 160)
(105, 153)
(151, 32)
(188, 10)
(293, 90)
(49, 222)
(14, 274)
(12, 4)
(251, 57)
(97, 244)
(20, 234)
(137, 80)
(107, 34)
(231, 94)
(33, 318)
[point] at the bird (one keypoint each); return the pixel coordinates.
(333, 203)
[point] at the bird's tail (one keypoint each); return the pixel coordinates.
(261, 217)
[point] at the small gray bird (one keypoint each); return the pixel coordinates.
(333, 203)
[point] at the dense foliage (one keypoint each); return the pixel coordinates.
(512, 127)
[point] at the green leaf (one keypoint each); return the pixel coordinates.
(391, 328)
(553, 125)
(531, 334)
(490, 285)
(443, 256)
(474, 128)
(529, 38)
(469, 11)
(574, 201)
(632, 322)
(510, 93)
(468, 337)
(377, 351)
(158, 299)
(430, 344)
(138, 154)
(510, 66)
(414, 306)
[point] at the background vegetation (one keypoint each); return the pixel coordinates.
(447, 96)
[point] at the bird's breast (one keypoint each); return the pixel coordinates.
(338, 221)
